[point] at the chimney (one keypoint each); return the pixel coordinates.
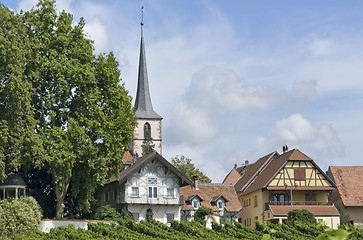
(247, 162)
(285, 148)
(235, 165)
(195, 179)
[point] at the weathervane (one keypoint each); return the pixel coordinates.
(142, 20)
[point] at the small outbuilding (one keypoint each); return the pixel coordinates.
(12, 187)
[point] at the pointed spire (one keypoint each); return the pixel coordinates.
(143, 106)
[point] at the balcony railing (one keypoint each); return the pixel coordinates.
(288, 203)
(146, 199)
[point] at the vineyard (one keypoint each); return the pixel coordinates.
(128, 229)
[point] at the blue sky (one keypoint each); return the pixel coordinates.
(236, 80)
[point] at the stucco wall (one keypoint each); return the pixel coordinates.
(355, 214)
(250, 211)
(332, 222)
(47, 224)
(159, 211)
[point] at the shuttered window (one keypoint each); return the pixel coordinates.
(299, 174)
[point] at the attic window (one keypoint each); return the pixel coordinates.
(299, 174)
(220, 204)
(195, 203)
(152, 181)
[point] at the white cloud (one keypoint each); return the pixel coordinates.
(321, 46)
(192, 125)
(27, 5)
(98, 32)
(294, 129)
(223, 89)
(319, 141)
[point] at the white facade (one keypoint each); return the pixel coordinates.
(155, 125)
(161, 213)
(150, 183)
(153, 187)
(153, 184)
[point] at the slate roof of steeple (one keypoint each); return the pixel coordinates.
(143, 106)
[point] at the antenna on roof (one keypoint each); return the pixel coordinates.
(142, 20)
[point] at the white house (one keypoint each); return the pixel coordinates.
(150, 183)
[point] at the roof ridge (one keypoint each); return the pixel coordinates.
(216, 184)
(257, 173)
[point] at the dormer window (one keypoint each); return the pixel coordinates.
(195, 203)
(220, 204)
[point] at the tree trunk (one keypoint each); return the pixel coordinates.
(60, 193)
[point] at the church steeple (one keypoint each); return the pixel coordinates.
(148, 121)
(143, 106)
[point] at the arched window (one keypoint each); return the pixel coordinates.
(147, 130)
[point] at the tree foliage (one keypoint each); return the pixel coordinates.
(149, 215)
(119, 214)
(19, 145)
(147, 145)
(200, 214)
(186, 166)
(75, 117)
(303, 216)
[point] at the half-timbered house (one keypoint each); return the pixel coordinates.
(277, 183)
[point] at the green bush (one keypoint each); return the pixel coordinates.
(116, 214)
(303, 216)
(200, 214)
(19, 216)
(149, 215)
(109, 213)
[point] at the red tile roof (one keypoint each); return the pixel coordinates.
(127, 158)
(349, 181)
(232, 177)
(209, 192)
(279, 210)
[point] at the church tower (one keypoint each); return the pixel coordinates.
(148, 121)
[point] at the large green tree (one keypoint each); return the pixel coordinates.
(19, 144)
(186, 166)
(83, 114)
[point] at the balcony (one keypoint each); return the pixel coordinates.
(145, 199)
(296, 203)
